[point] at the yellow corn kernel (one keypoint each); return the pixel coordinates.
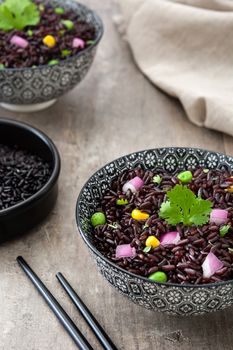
(229, 189)
(152, 241)
(49, 41)
(139, 215)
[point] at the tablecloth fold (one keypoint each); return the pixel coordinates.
(185, 47)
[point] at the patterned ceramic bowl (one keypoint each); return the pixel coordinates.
(31, 89)
(170, 298)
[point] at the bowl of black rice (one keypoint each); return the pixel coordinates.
(159, 224)
(43, 62)
(29, 171)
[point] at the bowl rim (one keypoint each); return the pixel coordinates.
(71, 58)
(102, 257)
(55, 171)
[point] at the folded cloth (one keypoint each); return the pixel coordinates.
(185, 47)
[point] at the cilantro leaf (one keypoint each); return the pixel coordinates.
(6, 18)
(65, 53)
(15, 14)
(224, 229)
(199, 212)
(157, 179)
(147, 249)
(145, 226)
(171, 214)
(114, 225)
(182, 198)
(184, 207)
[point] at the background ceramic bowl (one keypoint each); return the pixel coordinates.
(170, 298)
(31, 89)
(23, 216)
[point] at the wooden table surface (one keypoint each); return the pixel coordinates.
(114, 111)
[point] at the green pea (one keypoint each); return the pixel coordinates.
(52, 62)
(98, 219)
(68, 24)
(185, 176)
(158, 276)
(2, 66)
(59, 10)
(122, 201)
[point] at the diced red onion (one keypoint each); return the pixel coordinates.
(218, 216)
(125, 251)
(133, 185)
(210, 265)
(78, 43)
(18, 41)
(170, 238)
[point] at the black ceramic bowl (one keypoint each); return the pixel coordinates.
(23, 216)
(32, 89)
(170, 298)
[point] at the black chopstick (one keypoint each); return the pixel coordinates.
(65, 320)
(85, 312)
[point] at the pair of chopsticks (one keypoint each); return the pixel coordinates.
(63, 317)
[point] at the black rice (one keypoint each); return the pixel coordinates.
(22, 174)
(182, 262)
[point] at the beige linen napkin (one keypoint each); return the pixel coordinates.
(185, 47)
